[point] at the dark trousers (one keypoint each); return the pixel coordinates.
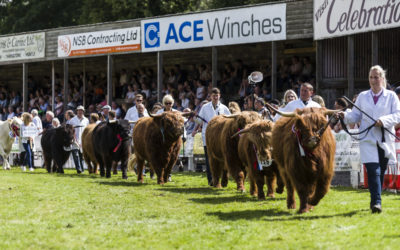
(376, 174)
(77, 155)
(28, 154)
(208, 171)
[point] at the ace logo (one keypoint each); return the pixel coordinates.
(152, 35)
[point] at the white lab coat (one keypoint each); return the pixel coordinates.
(297, 104)
(387, 109)
(207, 112)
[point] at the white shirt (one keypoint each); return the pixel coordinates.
(297, 104)
(207, 112)
(132, 114)
(38, 122)
(75, 121)
(24, 139)
(387, 109)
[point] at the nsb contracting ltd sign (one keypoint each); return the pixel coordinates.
(22, 47)
(245, 25)
(100, 42)
(344, 17)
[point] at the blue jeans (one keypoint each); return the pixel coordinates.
(77, 155)
(208, 171)
(376, 174)
(28, 154)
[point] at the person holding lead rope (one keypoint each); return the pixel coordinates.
(378, 110)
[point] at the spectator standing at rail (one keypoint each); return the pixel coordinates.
(36, 120)
(207, 112)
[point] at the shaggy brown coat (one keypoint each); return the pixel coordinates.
(255, 143)
(158, 141)
(310, 175)
(223, 150)
(87, 149)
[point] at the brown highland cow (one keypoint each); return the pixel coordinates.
(255, 150)
(223, 150)
(304, 149)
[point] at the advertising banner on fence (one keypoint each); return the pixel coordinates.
(347, 155)
(246, 25)
(100, 42)
(344, 17)
(22, 47)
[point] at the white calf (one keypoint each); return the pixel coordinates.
(8, 131)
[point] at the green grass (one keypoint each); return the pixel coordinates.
(43, 211)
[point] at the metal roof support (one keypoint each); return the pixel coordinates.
(273, 69)
(66, 89)
(109, 78)
(319, 63)
(374, 45)
(25, 87)
(350, 65)
(214, 66)
(84, 83)
(53, 86)
(159, 75)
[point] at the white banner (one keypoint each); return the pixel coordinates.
(29, 46)
(347, 155)
(100, 42)
(246, 25)
(344, 17)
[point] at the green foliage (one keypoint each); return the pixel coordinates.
(30, 15)
(51, 211)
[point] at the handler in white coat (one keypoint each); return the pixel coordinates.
(305, 101)
(376, 150)
(207, 112)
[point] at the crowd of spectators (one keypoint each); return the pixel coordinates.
(188, 87)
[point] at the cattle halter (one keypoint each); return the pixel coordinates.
(14, 130)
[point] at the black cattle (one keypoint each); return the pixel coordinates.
(111, 142)
(53, 142)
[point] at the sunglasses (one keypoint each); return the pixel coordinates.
(168, 103)
(139, 100)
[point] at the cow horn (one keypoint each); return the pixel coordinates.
(132, 122)
(112, 121)
(231, 116)
(155, 115)
(240, 132)
(331, 111)
(284, 114)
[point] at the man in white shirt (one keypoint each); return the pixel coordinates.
(132, 113)
(207, 112)
(36, 120)
(305, 101)
(79, 122)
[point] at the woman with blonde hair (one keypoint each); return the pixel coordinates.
(381, 112)
(289, 96)
(168, 102)
(27, 139)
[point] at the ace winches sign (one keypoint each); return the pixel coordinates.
(334, 18)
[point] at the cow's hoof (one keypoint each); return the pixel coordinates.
(125, 177)
(261, 198)
(303, 210)
(291, 206)
(271, 195)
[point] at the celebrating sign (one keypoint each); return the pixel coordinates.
(344, 17)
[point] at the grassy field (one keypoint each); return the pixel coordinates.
(43, 211)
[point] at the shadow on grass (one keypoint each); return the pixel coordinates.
(191, 190)
(229, 199)
(123, 183)
(273, 215)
